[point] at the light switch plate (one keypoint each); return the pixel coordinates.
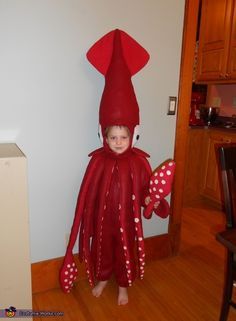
(172, 105)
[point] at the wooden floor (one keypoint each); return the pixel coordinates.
(187, 287)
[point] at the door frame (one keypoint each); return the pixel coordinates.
(182, 120)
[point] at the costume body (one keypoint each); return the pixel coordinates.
(111, 215)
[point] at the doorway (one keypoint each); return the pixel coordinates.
(181, 137)
(191, 21)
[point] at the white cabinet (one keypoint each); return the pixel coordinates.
(15, 266)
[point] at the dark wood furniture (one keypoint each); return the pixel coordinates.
(227, 167)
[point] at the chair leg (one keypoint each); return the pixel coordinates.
(228, 287)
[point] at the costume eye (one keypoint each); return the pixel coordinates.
(100, 133)
(135, 135)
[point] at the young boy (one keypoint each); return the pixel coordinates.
(118, 140)
(108, 214)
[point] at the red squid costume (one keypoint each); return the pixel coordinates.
(114, 188)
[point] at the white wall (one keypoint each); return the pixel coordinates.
(50, 96)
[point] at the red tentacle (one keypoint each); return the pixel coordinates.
(124, 209)
(137, 185)
(109, 164)
(88, 218)
(89, 175)
(68, 271)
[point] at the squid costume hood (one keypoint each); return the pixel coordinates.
(118, 57)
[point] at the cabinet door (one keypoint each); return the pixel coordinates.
(231, 69)
(214, 39)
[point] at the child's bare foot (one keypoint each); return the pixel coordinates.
(122, 296)
(97, 290)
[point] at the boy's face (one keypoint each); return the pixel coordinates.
(118, 139)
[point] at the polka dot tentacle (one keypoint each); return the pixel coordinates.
(68, 274)
(160, 185)
(102, 212)
(125, 247)
(139, 238)
(100, 236)
(138, 219)
(68, 271)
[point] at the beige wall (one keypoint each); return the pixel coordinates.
(50, 97)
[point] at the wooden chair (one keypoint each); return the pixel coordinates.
(227, 167)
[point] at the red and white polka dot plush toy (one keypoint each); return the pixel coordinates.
(159, 187)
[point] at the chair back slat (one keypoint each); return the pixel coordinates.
(227, 165)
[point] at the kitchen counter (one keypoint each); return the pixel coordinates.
(223, 128)
(221, 123)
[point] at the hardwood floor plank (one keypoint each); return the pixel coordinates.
(186, 287)
(56, 300)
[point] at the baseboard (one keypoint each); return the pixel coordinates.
(45, 273)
